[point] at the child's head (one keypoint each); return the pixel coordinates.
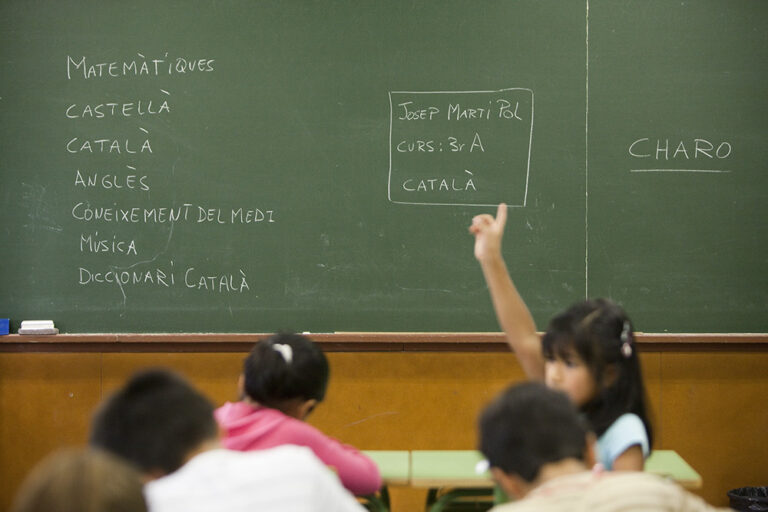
(82, 480)
(287, 372)
(155, 421)
(527, 427)
(591, 355)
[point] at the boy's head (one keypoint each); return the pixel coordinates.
(156, 421)
(527, 427)
(287, 372)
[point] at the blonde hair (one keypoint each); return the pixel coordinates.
(81, 480)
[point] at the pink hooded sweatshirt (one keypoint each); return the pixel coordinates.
(254, 428)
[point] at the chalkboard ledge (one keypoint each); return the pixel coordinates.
(353, 342)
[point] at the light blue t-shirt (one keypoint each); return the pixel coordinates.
(628, 430)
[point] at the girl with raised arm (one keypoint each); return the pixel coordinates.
(588, 351)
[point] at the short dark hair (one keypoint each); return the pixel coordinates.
(528, 426)
(596, 330)
(271, 377)
(154, 421)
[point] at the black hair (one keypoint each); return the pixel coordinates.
(601, 333)
(154, 421)
(530, 425)
(274, 374)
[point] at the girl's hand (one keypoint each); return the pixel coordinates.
(488, 233)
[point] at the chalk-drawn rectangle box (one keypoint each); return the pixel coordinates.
(461, 148)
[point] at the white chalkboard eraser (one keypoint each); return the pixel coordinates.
(37, 327)
(39, 331)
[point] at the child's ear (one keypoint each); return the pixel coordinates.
(512, 485)
(305, 408)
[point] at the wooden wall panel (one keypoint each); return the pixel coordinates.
(45, 403)
(650, 364)
(705, 405)
(212, 373)
(403, 401)
(419, 400)
(715, 415)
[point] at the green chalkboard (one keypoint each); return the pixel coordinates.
(251, 166)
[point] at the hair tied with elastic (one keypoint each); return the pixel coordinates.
(626, 340)
(285, 350)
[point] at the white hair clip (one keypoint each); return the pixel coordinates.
(626, 340)
(285, 350)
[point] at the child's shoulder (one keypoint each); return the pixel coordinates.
(627, 422)
(248, 427)
(303, 431)
(626, 431)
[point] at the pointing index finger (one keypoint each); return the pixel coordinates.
(501, 215)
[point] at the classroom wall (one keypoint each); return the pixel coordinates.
(707, 405)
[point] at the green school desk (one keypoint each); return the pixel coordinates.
(447, 468)
(395, 469)
(668, 463)
(456, 469)
(394, 465)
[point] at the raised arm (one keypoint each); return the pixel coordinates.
(511, 311)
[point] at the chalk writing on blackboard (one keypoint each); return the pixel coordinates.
(114, 109)
(143, 66)
(116, 243)
(468, 148)
(189, 278)
(681, 154)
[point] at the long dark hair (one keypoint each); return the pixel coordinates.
(601, 333)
